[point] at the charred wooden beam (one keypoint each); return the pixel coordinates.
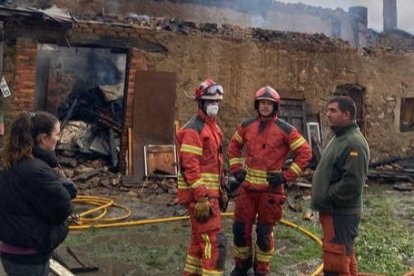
(112, 145)
(384, 162)
(391, 176)
(107, 121)
(69, 114)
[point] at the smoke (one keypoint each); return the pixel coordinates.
(259, 21)
(405, 10)
(90, 65)
(76, 70)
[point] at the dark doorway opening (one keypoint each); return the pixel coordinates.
(356, 93)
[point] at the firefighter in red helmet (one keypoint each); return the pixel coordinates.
(261, 177)
(200, 154)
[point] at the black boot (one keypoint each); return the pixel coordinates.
(238, 272)
(256, 273)
(241, 269)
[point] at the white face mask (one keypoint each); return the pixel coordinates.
(212, 109)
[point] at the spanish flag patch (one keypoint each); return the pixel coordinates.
(353, 153)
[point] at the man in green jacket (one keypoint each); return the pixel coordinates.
(337, 188)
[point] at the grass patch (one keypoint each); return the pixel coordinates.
(384, 245)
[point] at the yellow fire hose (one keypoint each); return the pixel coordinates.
(102, 203)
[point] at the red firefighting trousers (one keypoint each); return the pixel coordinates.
(339, 232)
(266, 206)
(207, 249)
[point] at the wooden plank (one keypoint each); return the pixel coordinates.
(59, 269)
(130, 150)
(154, 113)
(161, 160)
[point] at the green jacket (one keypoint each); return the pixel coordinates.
(340, 176)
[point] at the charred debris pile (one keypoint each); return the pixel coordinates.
(91, 129)
(398, 171)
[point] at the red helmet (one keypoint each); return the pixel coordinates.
(209, 90)
(267, 93)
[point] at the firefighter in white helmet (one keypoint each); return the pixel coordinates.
(201, 165)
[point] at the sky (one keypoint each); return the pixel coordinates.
(405, 10)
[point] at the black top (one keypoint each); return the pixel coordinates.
(34, 206)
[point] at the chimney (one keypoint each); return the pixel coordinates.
(360, 14)
(390, 15)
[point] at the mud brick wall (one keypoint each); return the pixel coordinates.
(300, 66)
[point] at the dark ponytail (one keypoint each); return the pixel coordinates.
(23, 135)
(19, 141)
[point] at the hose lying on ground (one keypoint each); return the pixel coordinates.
(103, 203)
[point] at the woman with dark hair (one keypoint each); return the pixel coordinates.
(35, 201)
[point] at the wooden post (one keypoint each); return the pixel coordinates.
(130, 151)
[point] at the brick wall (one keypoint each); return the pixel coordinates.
(24, 88)
(136, 61)
(25, 77)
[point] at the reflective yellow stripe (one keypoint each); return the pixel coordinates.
(181, 184)
(207, 248)
(192, 269)
(206, 272)
(238, 137)
(193, 265)
(256, 173)
(242, 253)
(296, 169)
(191, 149)
(210, 180)
(236, 160)
(264, 256)
(196, 184)
(299, 142)
(210, 177)
(257, 177)
(256, 180)
(193, 260)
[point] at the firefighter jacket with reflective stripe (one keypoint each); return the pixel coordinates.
(267, 143)
(200, 154)
(340, 176)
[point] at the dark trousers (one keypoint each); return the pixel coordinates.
(339, 233)
(16, 269)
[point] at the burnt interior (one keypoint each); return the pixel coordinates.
(84, 88)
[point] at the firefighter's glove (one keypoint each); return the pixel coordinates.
(240, 175)
(275, 179)
(202, 210)
(232, 185)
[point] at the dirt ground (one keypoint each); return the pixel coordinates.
(151, 205)
(159, 249)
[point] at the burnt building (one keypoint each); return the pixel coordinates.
(149, 66)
